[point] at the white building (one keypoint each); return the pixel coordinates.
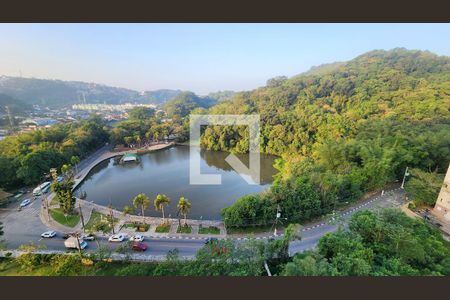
(442, 207)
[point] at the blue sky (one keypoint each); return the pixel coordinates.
(197, 57)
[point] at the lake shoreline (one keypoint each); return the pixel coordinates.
(167, 172)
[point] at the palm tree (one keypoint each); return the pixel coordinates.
(159, 202)
(127, 210)
(184, 206)
(75, 160)
(65, 169)
(141, 201)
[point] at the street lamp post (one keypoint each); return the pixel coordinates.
(278, 215)
(404, 178)
(81, 216)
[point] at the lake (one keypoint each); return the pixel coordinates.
(167, 172)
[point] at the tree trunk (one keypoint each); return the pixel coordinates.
(143, 217)
(162, 209)
(185, 221)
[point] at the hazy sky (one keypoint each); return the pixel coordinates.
(197, 57)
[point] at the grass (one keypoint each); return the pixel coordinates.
(9, 267)
(69, 221)
(249, 230)
(184, 229)
(98, 221)
(209, 230)
(129, 225)
(55, 200)
(137, 226)
(163, 228)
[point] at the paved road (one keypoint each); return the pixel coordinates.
(25, 226)
(311, 235)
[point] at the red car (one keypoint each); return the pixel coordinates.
(138, 246)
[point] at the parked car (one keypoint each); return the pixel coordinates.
(138, 246)
(117, 237)
(137, 238)
(48, 234)
(88, 237)
(25, 202)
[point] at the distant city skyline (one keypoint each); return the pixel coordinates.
(202, 58)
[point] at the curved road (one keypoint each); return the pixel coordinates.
(25, 226)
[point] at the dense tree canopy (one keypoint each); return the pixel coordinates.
(185, 102)
(349, 128)
(377, 243)
(25, 158)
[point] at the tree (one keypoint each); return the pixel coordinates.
(141, 113)
(306, 264)
(75, 160)
(66, 170)
(276, 81)
(141, 201)
(184, 207)
(159, 203)
(64, 190)
(423, 187)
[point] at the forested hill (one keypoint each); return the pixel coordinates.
(342, 131)
(186, 102)
(56, 93)
(389, 86)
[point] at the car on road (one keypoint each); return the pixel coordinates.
(88, 237)
(48, 234)
(117, 237)
(25, 202)
(137, 238)
(139, 246)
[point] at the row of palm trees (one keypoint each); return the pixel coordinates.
(142, 201)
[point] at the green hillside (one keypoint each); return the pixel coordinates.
(345, 130)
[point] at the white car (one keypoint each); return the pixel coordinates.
(25, 202)
(48, 234)
(117, 237)
(88, 237)
(137, 238)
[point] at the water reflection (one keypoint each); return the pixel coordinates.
(167, 172)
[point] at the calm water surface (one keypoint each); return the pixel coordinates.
(167, 172)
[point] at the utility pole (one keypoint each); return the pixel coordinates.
(267, 269)
(111, 215)
(46, 205)
(77, 236)
(404, 178)
(277, 217)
